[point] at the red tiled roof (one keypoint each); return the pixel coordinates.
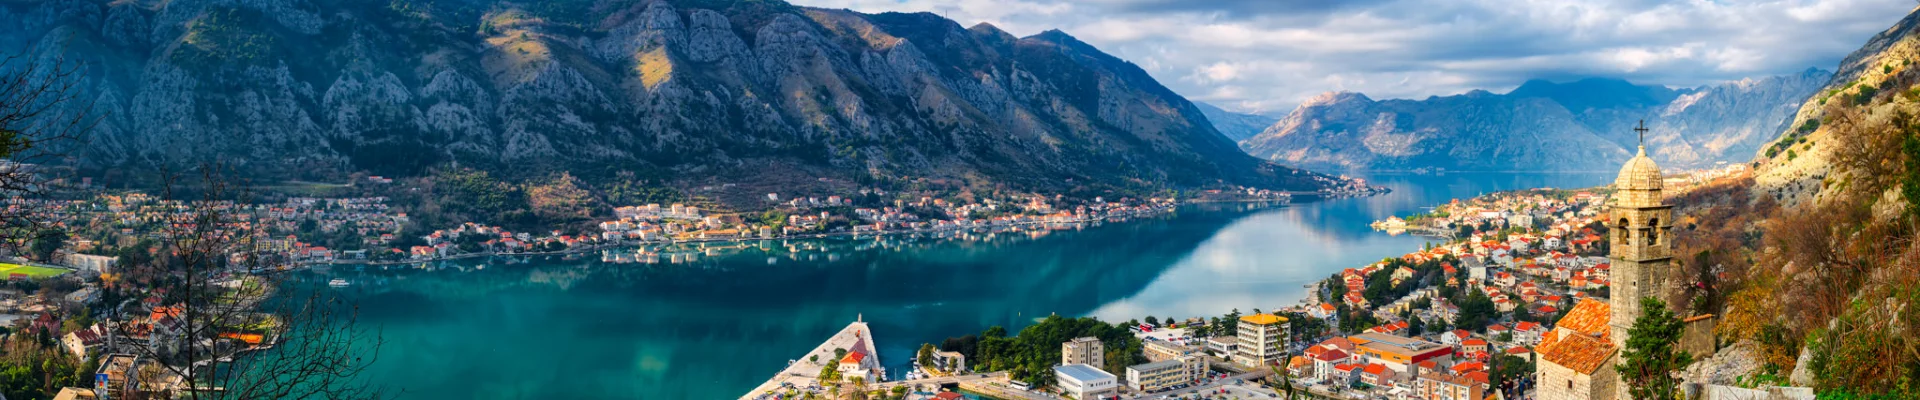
(1466, 367)
(1589, 317)
(1298, 362)
(1375, 369)
(1478, 377)
(1338, 343)
(1581, 353)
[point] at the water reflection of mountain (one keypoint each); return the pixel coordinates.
(728, 315)
(732, 309)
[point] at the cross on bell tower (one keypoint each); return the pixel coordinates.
(1641, 244)
(1642, 130)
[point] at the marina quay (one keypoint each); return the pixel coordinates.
(803, 374)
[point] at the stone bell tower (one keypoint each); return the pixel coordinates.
(1641, 238)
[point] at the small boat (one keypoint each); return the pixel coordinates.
(337, 282)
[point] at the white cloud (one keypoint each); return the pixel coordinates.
(1216, 73)
(1270, 54)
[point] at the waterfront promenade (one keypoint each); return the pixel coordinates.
(804, 372)
(999, 376)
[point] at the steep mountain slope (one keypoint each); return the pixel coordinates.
(752, 91)
(1872, 80)
(1236, 126)
(1813, 259)
(1581, 125)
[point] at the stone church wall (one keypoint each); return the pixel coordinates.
(1698, 339)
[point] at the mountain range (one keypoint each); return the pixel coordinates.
(682, 91)
(1237, 126)
(1584, 125)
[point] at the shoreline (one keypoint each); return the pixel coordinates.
(1158, 211)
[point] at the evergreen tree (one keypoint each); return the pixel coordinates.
(1653, 354)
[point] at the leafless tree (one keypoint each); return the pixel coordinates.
(42, 117)
(231, 286)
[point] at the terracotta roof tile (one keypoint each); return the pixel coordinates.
(1581, 353)
(1375, 369)
(1589, 317)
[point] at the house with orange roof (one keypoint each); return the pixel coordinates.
(1577, 355)
(1473, 345)
(1434, 386)
(1528, 332)
(1344, 373)
(1299, 366)
(1322, 311)
(1454, 337)
(1376, 375)
(1326, 363)
(857, 362)
(1466, 367)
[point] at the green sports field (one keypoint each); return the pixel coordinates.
(7, 269)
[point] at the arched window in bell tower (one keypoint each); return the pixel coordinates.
(1653, 232)
(1621, 233)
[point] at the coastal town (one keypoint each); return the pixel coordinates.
(1468, 317)
(308, 230)
(1516, 293)
(85, 288)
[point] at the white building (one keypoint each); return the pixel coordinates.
(1223, 346)
(91, 263)
(1085, 382)
(1162, 375)
(1083, 350)
(1263, 339)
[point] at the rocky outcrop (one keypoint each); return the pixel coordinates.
(1583, 125)
(695, 90)
(1796, 163)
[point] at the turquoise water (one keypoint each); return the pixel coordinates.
(716, 326)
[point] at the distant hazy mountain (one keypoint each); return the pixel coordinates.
(1237, 126)
(749, 91)
(1581, 125)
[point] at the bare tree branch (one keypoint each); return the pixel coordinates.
(237, 326)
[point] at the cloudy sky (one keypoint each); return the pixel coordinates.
(1268, 55)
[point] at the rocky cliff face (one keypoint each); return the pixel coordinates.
(1582, 125)
(1871, 84)
(747, 90)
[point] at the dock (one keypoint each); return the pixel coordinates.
(803, 372)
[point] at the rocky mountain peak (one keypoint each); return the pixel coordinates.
(1583, 125)
(1336, 97)
(680, 90)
